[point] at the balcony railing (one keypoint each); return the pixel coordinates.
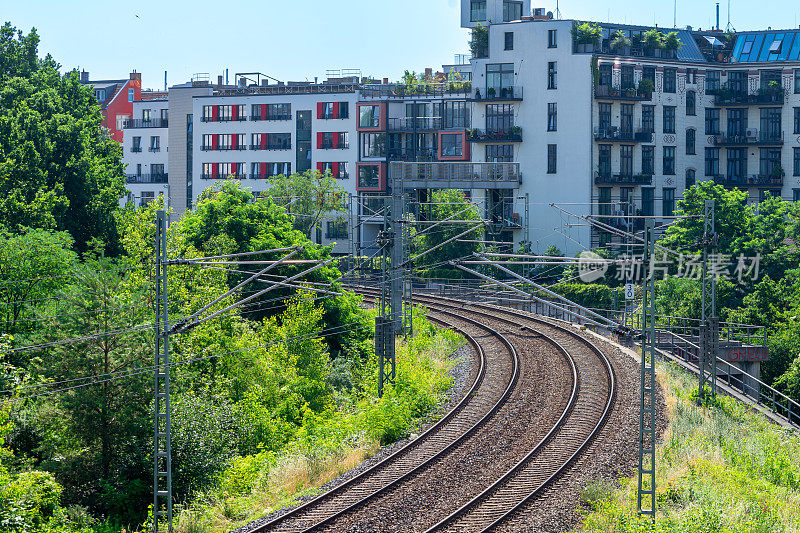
(413, 175)
(756, 138)
(329, 146)
(603, 178)
(495, 94)
(136, 149)
(401, 90)
(410, 154)
(161, 177)
(614, 134)
(267, 147)
(753, 180)
(240, 118)
(154, 149)
(415, 123)
(763, 96)
(271, 117)
(490, 136)
(609, 92)
(223, 176)
(148, 123)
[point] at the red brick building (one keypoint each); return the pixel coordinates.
(116, 99)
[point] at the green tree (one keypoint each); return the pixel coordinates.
(308, 197)
(59, 168)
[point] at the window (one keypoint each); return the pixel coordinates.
(626, 160)
(499, 153)
(255, 112)
(208, 113)
(797, 120)
(627, 77)
(605, 117)
(100, 95)
(712, 121)
(770, 159)
(737, 82)
(164, 116)
(737, 164)
(669, 119)
(626, 119)
(208, 142)
(552, 117)
(455, 115)
(552, 74)
(737, 122)
(668, 203)
(279, 112)
(690, 142)
(796, 195)
(369, 176)
(509, 40)
(121, 121)
(768, 76)
(452, 144)
(604, 200)
(691, 76)
(136, 145)
(690, 178)
(499, 117)
(648, 194)
(224, 142)
(147, 197)
(131, 94)
(336, 230)
(796, 160)
(511, 10)
(604, 162)
(770, 123)
(712, 81)
(551, 158)
(691, 103)
(669, 161)
(552, 38)
(342, 174)
(648, 118)
(797, 81)
(155, 143)
(650, 74)
(499, 79)
(763, 195)
(279, 141)
(224, 112)
(669, 79)
(648, 160)
(369, 116)
(146, 115)
(712, 162)
(477, 10)
(605, 75)
(373, 145)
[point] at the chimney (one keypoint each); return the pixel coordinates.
(717, 16)
(84, 77)
(386, 81)
(136, 76)
(219, 79)
(428, 72)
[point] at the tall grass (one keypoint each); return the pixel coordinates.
(722, 468)
(333, 442)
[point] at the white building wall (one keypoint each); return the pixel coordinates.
(494, 12)
(138, 165)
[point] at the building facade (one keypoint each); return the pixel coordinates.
(116, 99)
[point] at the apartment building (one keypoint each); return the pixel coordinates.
(599, 141)
(116, 99)
(145, 147)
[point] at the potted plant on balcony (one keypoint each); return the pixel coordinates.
(774, 90)
(671, 43)
(630, 92)
(646, 87)
(587, 37)
(491, 92)
(652, 40)
(777, 175)
(477, 94)
(620, 43)
(516, 131)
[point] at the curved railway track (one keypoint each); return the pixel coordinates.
(576, 414)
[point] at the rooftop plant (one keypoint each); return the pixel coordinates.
(587, 33)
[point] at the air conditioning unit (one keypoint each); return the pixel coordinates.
(539, 12)
(752, 133)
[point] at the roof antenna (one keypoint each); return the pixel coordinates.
(558, 12)
(675, 14)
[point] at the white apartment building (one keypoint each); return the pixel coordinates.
(145, 147)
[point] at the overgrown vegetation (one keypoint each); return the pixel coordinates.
(719, 469)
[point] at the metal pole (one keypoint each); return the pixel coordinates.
(646, 494)
(162, 438)
(709, 324)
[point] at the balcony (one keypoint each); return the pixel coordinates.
(751, 138)
(614, 134)
(410, 154)
(415, 124)
(240, 118)
(603, 178)
(267, 147)
(446, 175)
(763, 181)
(154, 149)
(271, 117)
(498, 94)
(329, 146)
(773, 96)
(223, 176)
(145, 123)
(608, 92)
(136, 149)
(161, 177)
(513, 135)
(431, 90)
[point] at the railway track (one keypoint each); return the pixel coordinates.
(566, 426)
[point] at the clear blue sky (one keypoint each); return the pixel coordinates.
(297, 40)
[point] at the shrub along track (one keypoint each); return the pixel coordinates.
(494, 454)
